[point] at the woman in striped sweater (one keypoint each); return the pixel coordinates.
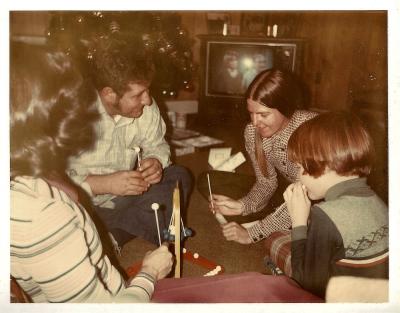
(56, 252)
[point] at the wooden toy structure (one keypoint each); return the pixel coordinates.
(176, 234)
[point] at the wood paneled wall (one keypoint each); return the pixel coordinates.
(345, 62)
(346, 56)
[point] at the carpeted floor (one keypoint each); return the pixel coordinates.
(208, 240)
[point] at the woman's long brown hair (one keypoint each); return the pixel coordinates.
(274, 89)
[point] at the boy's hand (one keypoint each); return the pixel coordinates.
(297, 203)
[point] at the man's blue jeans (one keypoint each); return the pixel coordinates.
(134, 215)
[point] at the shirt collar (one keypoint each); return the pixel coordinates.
(100, 106)
(285, 130)
(119, 120)
(357, 186)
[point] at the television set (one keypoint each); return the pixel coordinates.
(229, 64)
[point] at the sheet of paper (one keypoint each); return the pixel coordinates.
(232, 163)
(217, 156)
(198, 142)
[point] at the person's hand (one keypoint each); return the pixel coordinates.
(125, 183)
(234, 232)
(151, 170)
(225, 205)
(158, 263)
(297, 203)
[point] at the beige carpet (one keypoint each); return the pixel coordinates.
(208, 240)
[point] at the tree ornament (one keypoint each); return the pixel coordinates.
(89, 55)
(188, 86)
(114, 27)
(48, 33)
(148, 42)
(181, 32)
(80, 19)
(98, 14)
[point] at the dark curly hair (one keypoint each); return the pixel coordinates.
(117, 62)
(51, 111)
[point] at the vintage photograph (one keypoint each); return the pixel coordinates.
(199, 156)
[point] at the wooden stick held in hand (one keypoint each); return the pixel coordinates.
(155, 207)
(176, 211)
(139, 157)
(220, 218)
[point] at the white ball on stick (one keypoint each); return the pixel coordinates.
(155, 206)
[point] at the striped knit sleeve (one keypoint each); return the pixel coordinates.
(140, 289)
(65, 260)
(59, 257)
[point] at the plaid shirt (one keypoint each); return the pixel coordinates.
(113, 151)
(275, 149)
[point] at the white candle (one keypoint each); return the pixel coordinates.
(275, 30)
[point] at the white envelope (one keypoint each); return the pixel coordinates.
(217, 156)
(232, 163)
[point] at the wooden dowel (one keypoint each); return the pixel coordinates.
(155, 207)
(220, 218)
(139, 157)
(177, 218)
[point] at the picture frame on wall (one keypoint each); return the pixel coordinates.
(253, 24)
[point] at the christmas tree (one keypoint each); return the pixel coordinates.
(159, 35)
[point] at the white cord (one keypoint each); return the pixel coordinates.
(209, 190)
(183, 227)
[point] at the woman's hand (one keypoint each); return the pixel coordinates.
(297, 203)
(235, 232)
(158, 263)
(225, 205)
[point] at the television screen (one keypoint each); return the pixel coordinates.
(231, 66)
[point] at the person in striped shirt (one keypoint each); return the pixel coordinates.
(56, 251)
